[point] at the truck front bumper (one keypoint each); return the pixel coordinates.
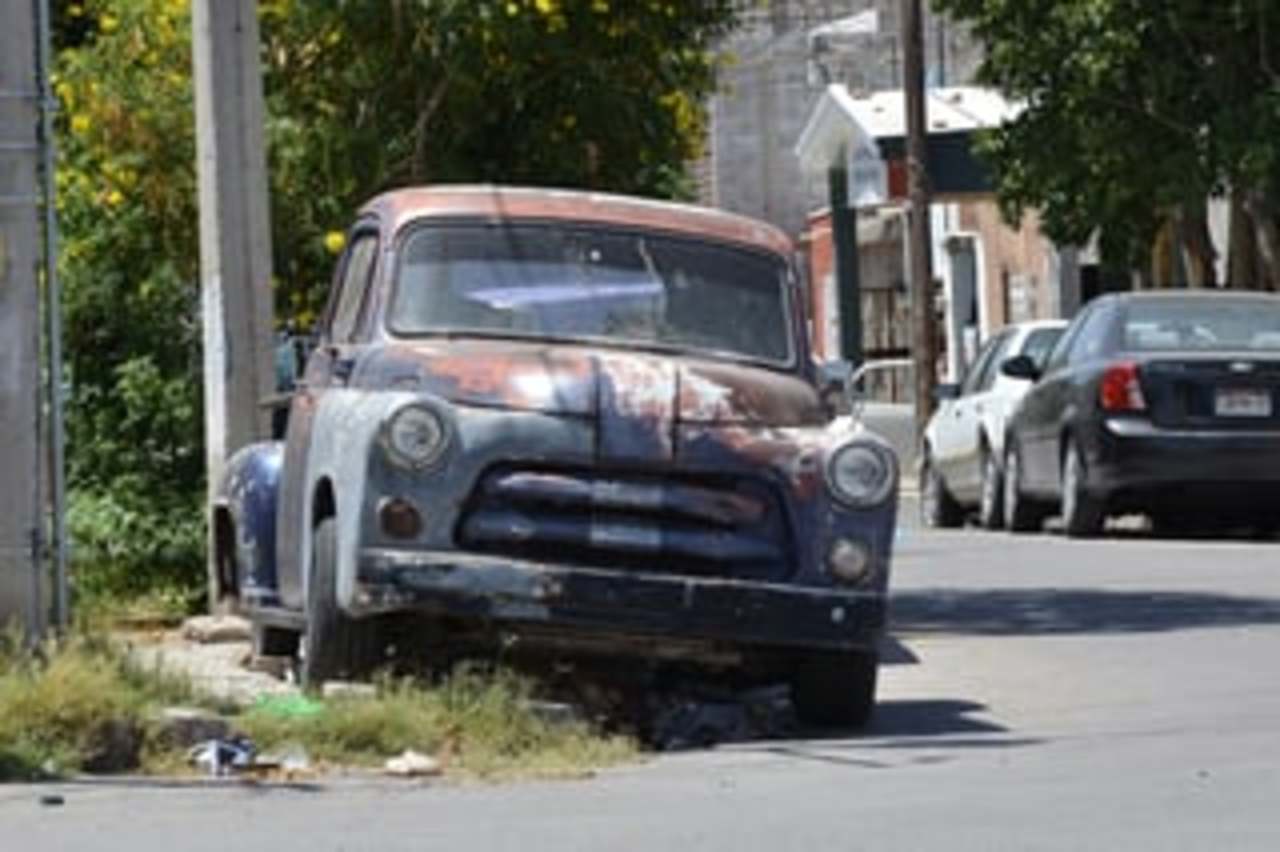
(574, 600)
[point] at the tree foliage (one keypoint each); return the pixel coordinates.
(362, 95)
(1135, 111)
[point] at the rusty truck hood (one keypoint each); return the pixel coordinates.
(598, 382)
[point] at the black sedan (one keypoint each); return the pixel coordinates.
(1162, 403)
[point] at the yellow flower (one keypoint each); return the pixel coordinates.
(115, 198)
(108, 23)
(546, 7)
(80, 124)
(334, 242)
(513, 9)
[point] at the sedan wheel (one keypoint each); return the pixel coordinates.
(1082, 513)
(937, 508)
(991, 508)
(1020, 514)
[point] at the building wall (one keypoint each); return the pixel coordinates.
(885, 309)
(769, 86)
(1014, 276)
(1017, 266)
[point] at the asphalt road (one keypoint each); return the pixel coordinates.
(1045, 694)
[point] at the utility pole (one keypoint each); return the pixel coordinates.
(235, 233)
(923, 332)
(22, 591)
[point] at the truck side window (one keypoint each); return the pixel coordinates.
(356, 275)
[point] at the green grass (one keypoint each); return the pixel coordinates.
(477, 723)
(59, 702)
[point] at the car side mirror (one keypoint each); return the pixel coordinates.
(943, 392)
(1020, 367)
(290, 362)
(290, 356)
(833, 385)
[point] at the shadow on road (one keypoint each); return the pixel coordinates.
(929, 719)
(898, 725)
(1000, 612)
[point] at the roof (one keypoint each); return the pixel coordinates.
(841, 122)
(401, 206)
(1183, 293)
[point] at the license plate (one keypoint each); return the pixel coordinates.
(1237, 402)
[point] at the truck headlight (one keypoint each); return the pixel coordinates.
(861, 474)
(415, 436)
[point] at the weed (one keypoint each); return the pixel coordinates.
(84, 703)
(477, 723)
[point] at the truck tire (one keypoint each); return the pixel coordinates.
(835, 689)
(334, 646)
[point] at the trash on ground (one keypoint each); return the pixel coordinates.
(412, 764)
(348, 689)
(289, 706)
(696, 718)
(555, 712)
(221, 757)
(292, 763)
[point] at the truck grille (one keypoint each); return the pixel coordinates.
(726, 526)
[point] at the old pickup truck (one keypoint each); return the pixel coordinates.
(572, 421)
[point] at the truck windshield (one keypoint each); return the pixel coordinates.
(576, 282)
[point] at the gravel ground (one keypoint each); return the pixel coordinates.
(218, 668)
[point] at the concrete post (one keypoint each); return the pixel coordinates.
(22, 590)
(235, 231)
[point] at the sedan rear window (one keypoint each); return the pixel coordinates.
(1202, 324)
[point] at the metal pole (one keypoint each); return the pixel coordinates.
(924, 334)
(21, 592)
(844, 236)
(53, 313)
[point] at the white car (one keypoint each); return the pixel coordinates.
(960, 464)
(882, 394)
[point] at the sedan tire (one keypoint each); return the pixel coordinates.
(991, 505)
(1082, 513)
(938, 509)
(1020, 513)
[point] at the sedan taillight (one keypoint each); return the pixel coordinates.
(1120, 390)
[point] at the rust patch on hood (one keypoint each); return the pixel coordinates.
(592, 381)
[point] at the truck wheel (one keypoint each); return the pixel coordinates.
(835, 689)
(333, 646)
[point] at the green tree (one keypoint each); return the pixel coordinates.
(362, 95)
(1136, 113)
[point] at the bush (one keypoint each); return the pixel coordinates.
(361, 96)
